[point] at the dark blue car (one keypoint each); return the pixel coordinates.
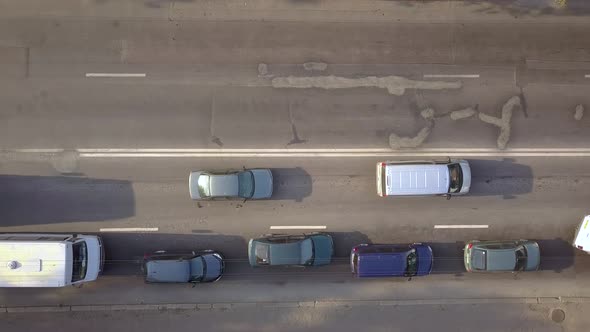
(391, 260)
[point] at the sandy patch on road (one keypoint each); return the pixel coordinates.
(395, 85)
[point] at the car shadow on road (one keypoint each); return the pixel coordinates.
(291, 184)
(124, 251)
(448, 258)
(556, 255)
(500, 178)
(37, 200)
(344, 242)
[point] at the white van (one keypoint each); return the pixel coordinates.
(423, 178)
(582, 237)
(49, 260)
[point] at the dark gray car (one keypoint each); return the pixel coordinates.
(204, 266)
(492, 256)
(244, 184)
(275, 249)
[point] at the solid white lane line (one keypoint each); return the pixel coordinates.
(333, 155)
(344, 150)
(116, 75)
(459, 226)
(130, 229)
(298, 227)
(288, 150)
(295, 153)
(452, 76)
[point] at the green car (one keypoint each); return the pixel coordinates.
(498, 256)
(276, 249)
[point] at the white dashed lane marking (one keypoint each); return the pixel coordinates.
(116, 75)
(459, 226)
(130, 229)
(298, 227)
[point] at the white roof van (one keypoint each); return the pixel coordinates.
(582, 237)
(423, 178)
(49, 260)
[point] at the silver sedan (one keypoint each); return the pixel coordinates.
(244, 184)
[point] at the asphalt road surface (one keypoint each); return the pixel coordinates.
(106, 107)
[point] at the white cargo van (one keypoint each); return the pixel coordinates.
(582, 237)
(49, 260)
(423, 178)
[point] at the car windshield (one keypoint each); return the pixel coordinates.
(307, 252)
(456, 175)
(204, 187)
(246, 184)
(80, 261)
(412, 263)
(521, 258)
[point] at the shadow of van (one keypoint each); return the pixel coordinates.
(36, 200)
(500, 178)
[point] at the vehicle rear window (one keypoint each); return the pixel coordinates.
(80, 261)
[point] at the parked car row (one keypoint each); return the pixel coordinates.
(366, 260)
(57, 260)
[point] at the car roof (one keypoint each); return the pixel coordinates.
(416, 179)
(501, 259)
(224, 185)
(168, 270)
(285, 253)
(382, 264)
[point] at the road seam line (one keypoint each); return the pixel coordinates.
(292, 304)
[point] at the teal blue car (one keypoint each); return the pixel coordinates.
(499, 256)
(276, 249)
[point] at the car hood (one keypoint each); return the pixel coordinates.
(466, 177)
(263, 183)
(424, 259)
(324, 249)
(193, 184)
(533, 256)
(214, 269)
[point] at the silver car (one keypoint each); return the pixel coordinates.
(244, 184)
